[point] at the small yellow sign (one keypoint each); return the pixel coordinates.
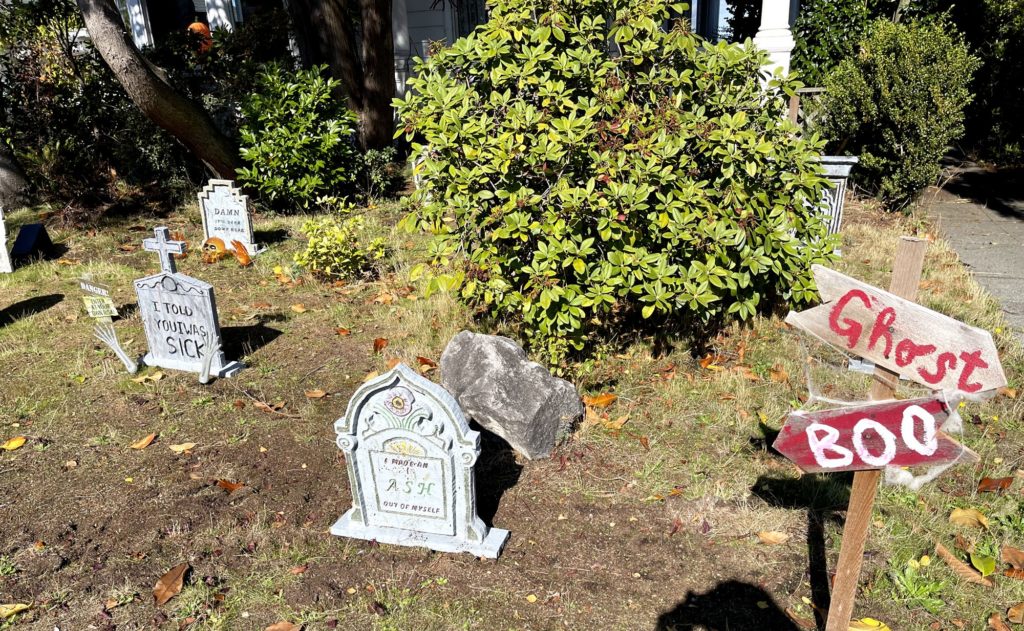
(99, 306)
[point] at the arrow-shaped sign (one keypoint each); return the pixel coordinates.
(897, 433)
(910, 340)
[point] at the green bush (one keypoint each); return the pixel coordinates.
(340, 247)
(898, 105)
(382, 175)
(577, 190)
(826, 32)
(297, 139)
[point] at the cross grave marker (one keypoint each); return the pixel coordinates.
(179, 314)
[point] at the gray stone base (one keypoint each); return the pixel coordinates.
(489, 548)
(228, 370)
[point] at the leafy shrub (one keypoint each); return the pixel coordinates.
(382, 175)
(826, 32)
(580, 189)
(297, 139)
(340, 247)
(899, 104)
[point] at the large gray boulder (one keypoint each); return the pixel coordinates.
(503, 391)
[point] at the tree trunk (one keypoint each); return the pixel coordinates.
(12, 180)
(328, 30)
(181, 117)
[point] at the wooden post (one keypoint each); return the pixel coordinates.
(794, 109)
(906, 275)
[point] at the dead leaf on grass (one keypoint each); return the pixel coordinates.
(342, 331)
(968, 517)
(747, 373)
(1009, 393)
(644, 442)
(11, 609)
(616, 424)
(394, 361)
(963, 570)
(262, 305)
(773, 537)
(13, 443)
(710, 360)
(380, 344)
(229, 486)
(808, 624)
(1012, 557)
(373, 374)
(315, 394)
(182, 448)
(779, 374)
(299, 308)
(601, 400)
(1015, 614)
(154, 376)
(269, 408)
(995, 621)
(284, 625)
(241, 254)
(143, 442)
(299, 569)
(994, 485)
(169, 584)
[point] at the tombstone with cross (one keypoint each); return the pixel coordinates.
(179, 315)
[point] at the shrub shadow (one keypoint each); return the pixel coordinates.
(1000, 189)
(242, 341)
(28, 307)
(730, 606)
(270, 237)
(496, 472)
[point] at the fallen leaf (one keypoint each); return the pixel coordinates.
(868, 624)
(1012, 557)
(645, 442)
(1014, 573)
(238, 404)
(994, 485)
(315, 394)
(380, 344)
(269, 408)
(13, 443)
(747, 373)
(1015, 614)
(8, 610)
(807, 624)
(299, 308)
(710, 360)
(531, 598)
(1009, 393)
(155, 376)
(394, 361)
(241, 254)
(377, 608)
(127, 247)
(983, 563)
(284, 625)
(262, 305)
(299, 569)
(182, 448)
(169, 584)
(968, 517)
(229, 486)
(963, 570)
(423, 361)
(778, 374)
(342, 331)
(601, 400)
(373, 374)
(143, 442)
(616, 424)
(772, 537)
(995, 621)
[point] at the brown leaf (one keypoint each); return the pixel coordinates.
(268, 408)
(808, 624)
(127, 247)
(747, 373)
(238, 404)
(380, 344)
(1015, 614)
(995, 622)
(370, 376)
(711, 361)
(169, 584)
(394, 361)
(645, 442)
(262, 305)
(994, 485)
(1014, 573)
(229, 486)
(299, 569)
(315, 394)
(963, 570)
(601, 400)
(968, 517)
(377, 608)
(143, 442)
(1012, 557)
(284, 625)
(424, 361)
(299, 308)
(1009, 393)
(779, 374)
(616, 424)
(241, 254)
(342, 331)
(773, 537)
(182, 448)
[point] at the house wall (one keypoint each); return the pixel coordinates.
(426, 23)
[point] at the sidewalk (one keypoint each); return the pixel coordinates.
(981, 213)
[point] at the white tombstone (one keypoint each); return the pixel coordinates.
(410, 456)
(226, 215)
(179, 315)
(5, 257)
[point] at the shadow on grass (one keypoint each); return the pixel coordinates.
(242, 341)
(28, 307)
(730, 606)
(821, 495)
(270, 237)
(496, 472)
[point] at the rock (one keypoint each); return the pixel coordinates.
(12, 180)
(509, 395)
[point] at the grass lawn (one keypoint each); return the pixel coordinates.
(647, 519)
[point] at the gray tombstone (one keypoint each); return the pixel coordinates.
(5, 258)
(837, 170)
(410, 456)
(179, 315)
(226, 215)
